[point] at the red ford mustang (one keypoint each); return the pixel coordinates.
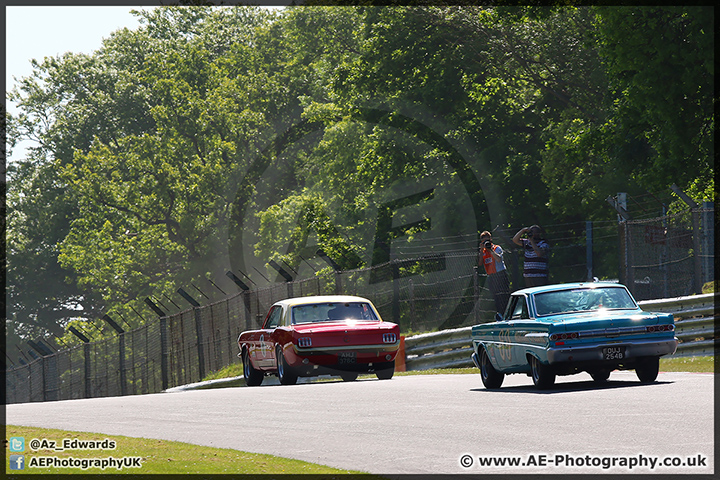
(308, 336)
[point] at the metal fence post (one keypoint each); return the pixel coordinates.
(198, 331)
(338, 283)
(88, 373)
(708, 241)
(629, 259)
(86, 352)
(697, 260)
(589, 249)
(246, 297)
(248, 313)
(123, 374)
(164, 372)
(411, 293)
(121, 352)
(50, 378)
(396, 291)
(200, 343)
(695, 214)
(49, 371)
(476, 295)
(336, 269)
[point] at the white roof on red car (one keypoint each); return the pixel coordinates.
(321, 299)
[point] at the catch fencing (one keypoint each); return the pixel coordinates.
(421, 292)
(184, 347)
(668, 256)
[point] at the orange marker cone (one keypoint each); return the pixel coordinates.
(400, 358)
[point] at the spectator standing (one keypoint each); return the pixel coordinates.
(537, 251)
(497, 279)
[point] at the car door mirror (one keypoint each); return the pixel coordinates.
(498, 317)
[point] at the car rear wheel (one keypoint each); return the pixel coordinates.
(285, 373)
(600, 376)
(543, 376)
(349, 376)
(647, 369)
(253, 377)
(490, 377)
(385, 371)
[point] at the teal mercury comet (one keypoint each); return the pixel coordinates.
(570, 328)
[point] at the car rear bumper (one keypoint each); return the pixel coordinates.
(334, 350)
(476, 360)
(594, 352)
(346, 357)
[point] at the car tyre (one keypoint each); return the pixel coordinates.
(647, 369)
(285, 373)
(385, 371)
(490, 377)
(600, 376)
(253, 377)
(349, 376)
(543, 375)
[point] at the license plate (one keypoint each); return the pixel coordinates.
(613, 353)
(347, 357)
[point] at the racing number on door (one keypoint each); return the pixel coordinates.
(263, 346)
(504, 349)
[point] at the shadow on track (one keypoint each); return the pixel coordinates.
(570, 387)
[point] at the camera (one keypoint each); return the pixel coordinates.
(487, 244)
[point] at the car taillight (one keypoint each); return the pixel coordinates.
(305, 342)
(660, 328)
(389, 338)
(563, 336)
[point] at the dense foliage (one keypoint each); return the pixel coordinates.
(165, 156)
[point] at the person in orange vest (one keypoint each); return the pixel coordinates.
(497, 279)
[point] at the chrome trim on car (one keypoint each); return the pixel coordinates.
(612, 331)
(386, 347)
(634, 349)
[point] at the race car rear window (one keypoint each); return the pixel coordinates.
(328, 312)
(582, 300)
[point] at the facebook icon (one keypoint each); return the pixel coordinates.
(17, 462)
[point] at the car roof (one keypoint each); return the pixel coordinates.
(566, 286)
(321, 299)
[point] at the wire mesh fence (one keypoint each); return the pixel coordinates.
(421, 290)
(668, 256)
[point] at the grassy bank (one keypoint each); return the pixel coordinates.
(156, 456)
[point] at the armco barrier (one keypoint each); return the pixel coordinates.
(694, 328)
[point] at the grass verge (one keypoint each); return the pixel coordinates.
(688, 364)
(157, 456)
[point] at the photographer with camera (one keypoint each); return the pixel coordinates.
(537, 251)
(497, 279)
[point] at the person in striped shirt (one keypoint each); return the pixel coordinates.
(537, 251)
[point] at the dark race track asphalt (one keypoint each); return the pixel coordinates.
(423, 423)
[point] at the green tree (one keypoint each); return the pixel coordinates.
(136, 148)
(209, 134)
(655, 126)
